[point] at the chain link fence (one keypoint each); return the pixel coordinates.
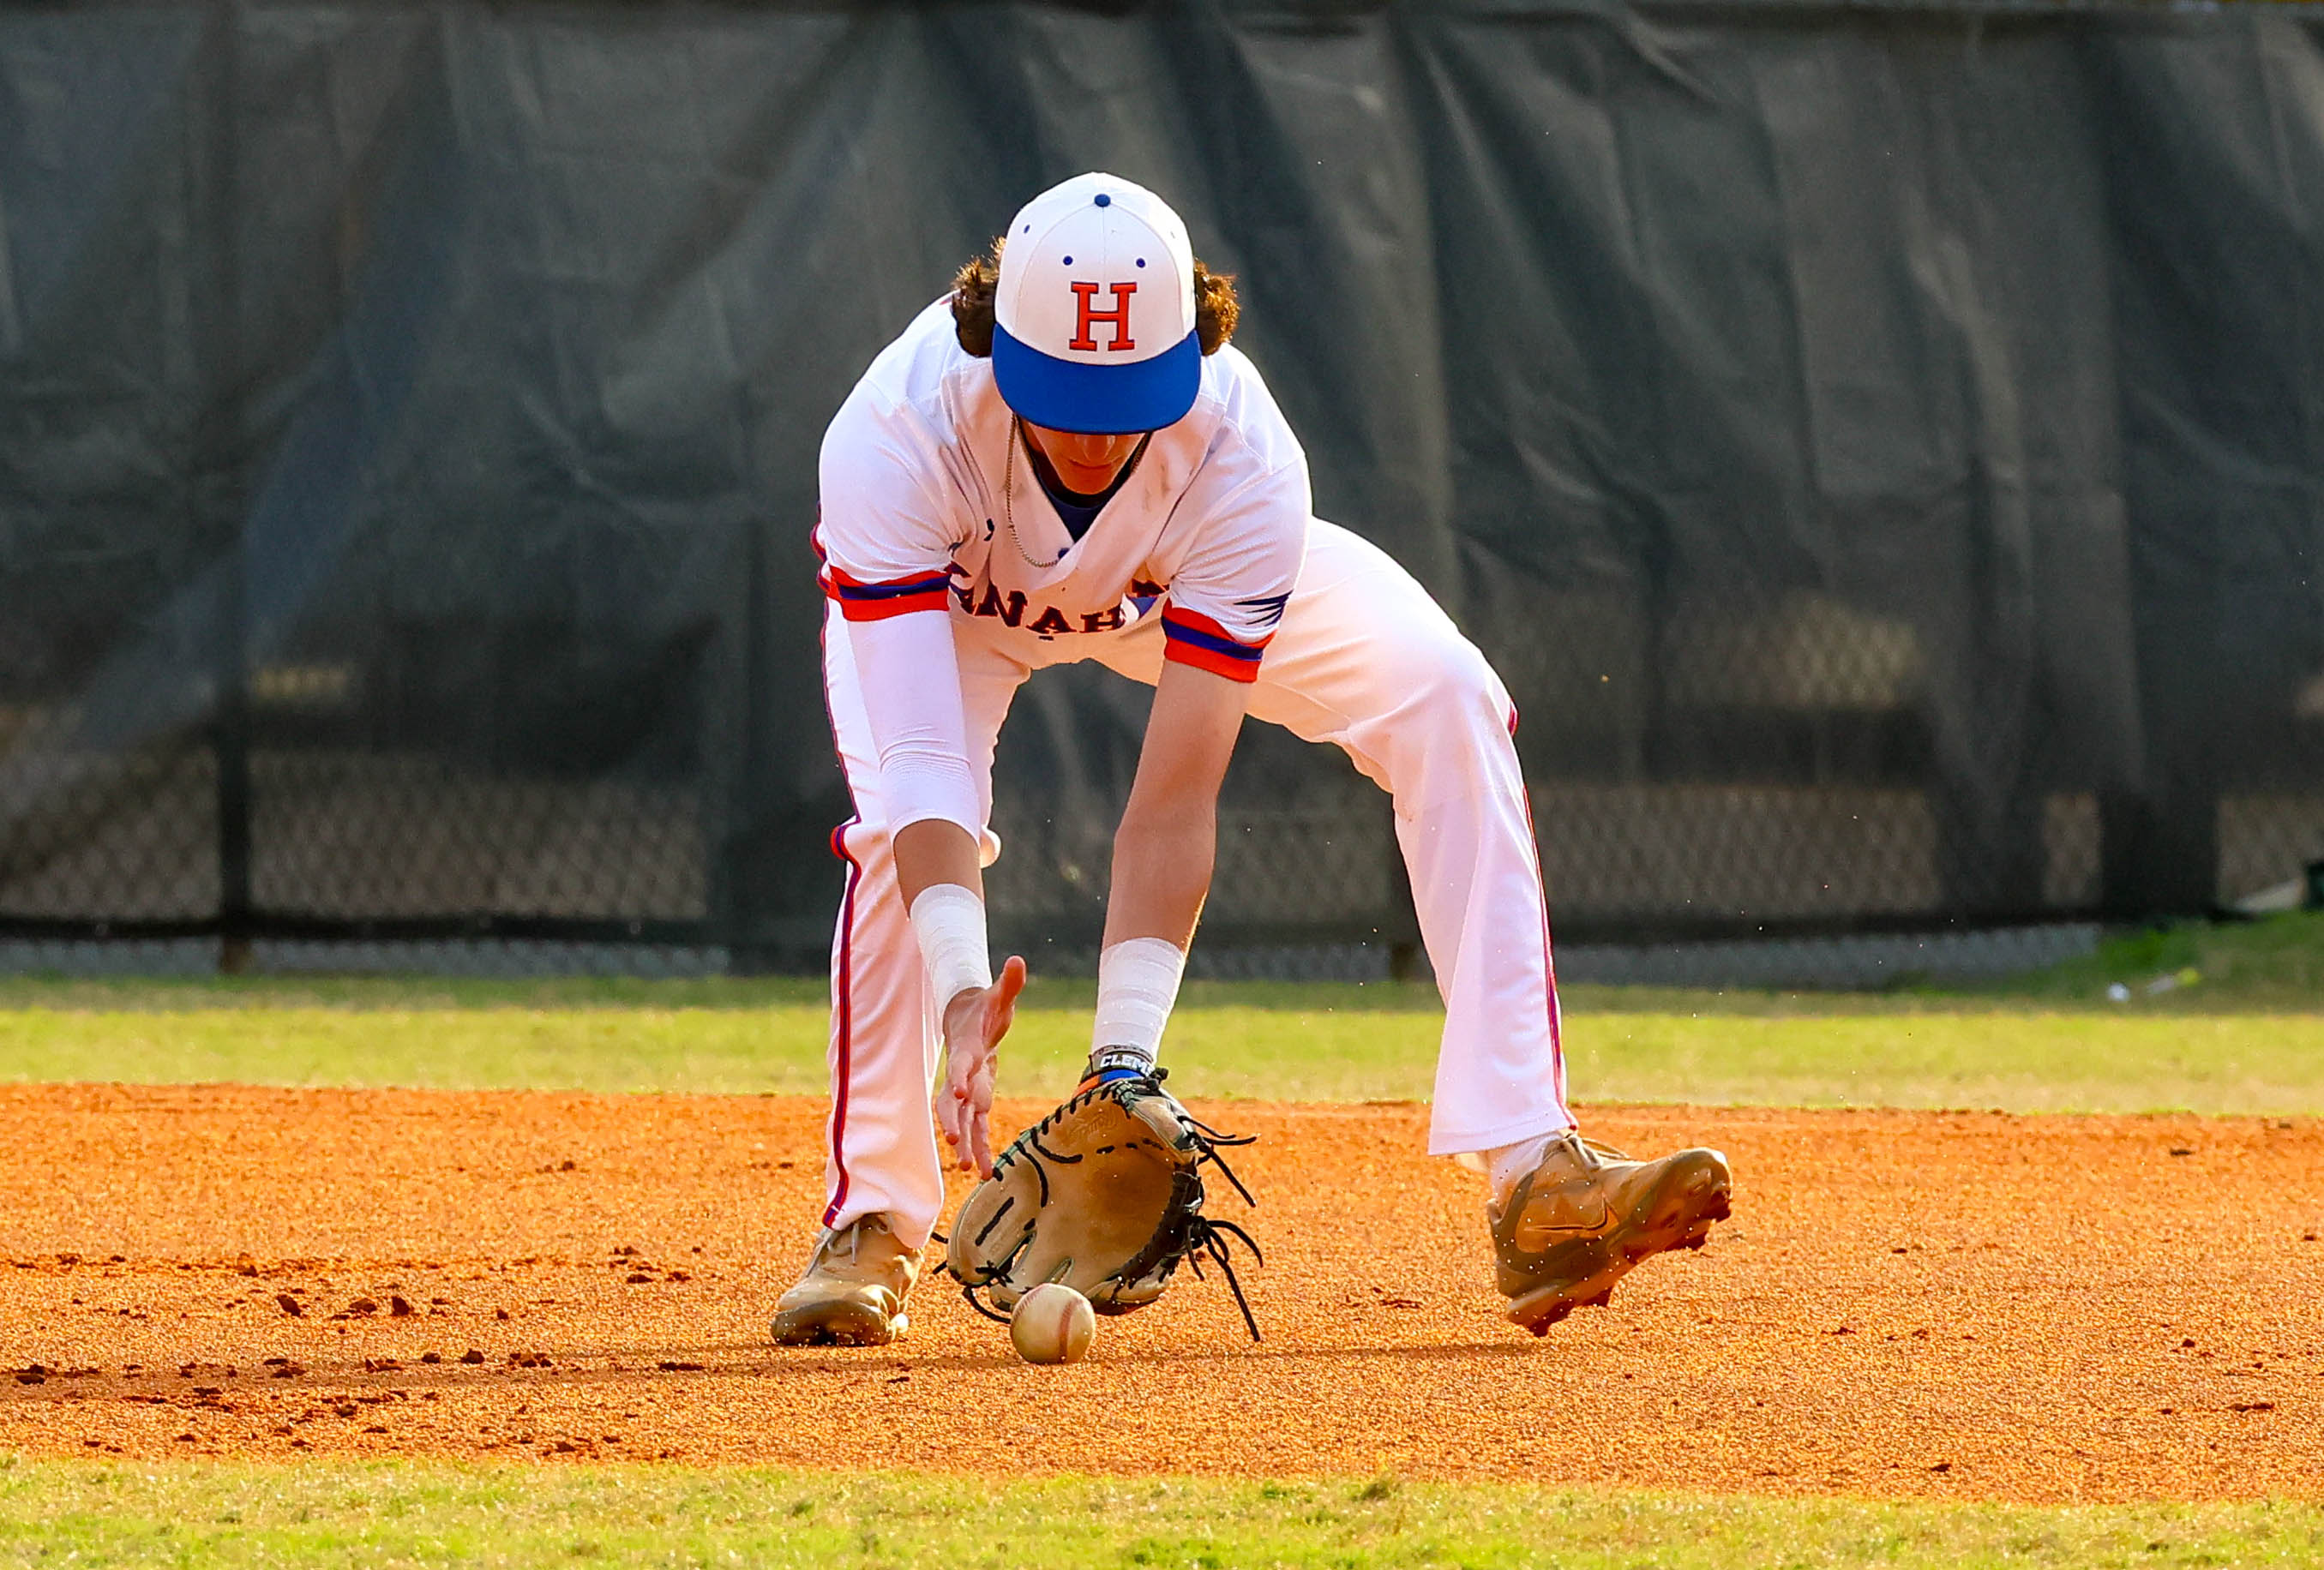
(360, 848)
(409, 419)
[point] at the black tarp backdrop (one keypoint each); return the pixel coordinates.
(1881, 447)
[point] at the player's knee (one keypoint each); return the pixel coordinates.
(1454, 685)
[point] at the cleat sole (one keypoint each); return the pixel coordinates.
(1539, 1309)
(837, 1324)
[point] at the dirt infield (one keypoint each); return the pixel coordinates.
(1939, 1305)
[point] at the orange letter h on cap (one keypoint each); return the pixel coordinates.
(1085, 300)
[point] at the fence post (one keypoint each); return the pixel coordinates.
(231, 742)
(218, 459)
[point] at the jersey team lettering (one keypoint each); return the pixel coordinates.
(1010, 609)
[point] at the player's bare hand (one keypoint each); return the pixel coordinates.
(974, 1023)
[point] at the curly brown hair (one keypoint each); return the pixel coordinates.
(1215, 308)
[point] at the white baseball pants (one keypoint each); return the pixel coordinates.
(1364, 660)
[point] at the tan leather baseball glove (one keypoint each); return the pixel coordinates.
(1105, 1195)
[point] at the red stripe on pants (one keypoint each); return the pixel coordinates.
(845, 1068)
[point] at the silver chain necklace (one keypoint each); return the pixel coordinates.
(1009, 496)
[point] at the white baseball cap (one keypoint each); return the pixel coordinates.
(1094, 315)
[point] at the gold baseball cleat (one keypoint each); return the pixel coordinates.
(853, 1292)
(1575, 1225)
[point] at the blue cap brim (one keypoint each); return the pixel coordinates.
(1067, 395)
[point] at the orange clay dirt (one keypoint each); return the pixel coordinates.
(1936, 1305)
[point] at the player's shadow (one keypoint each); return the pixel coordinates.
(1001, 1356)
(760, 1361)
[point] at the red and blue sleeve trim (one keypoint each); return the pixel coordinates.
(860, 600)
(876, 601)
(1193, 638)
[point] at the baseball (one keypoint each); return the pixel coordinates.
(1052, 1323)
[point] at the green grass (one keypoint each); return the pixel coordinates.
(2231, 1042)
(2275, 964)
(2246, 1036)
(1326, 1053)
(2027, 1061)
(379, 1515)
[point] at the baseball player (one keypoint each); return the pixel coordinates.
(1066, 459)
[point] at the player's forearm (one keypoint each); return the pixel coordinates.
(1162, 864)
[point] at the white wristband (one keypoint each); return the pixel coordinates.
(1137, 983)
(949, 922)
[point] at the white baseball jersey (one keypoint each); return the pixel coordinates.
(929, 500)
(930, 505)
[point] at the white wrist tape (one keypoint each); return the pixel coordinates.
(949, 922)
(1137, 983)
